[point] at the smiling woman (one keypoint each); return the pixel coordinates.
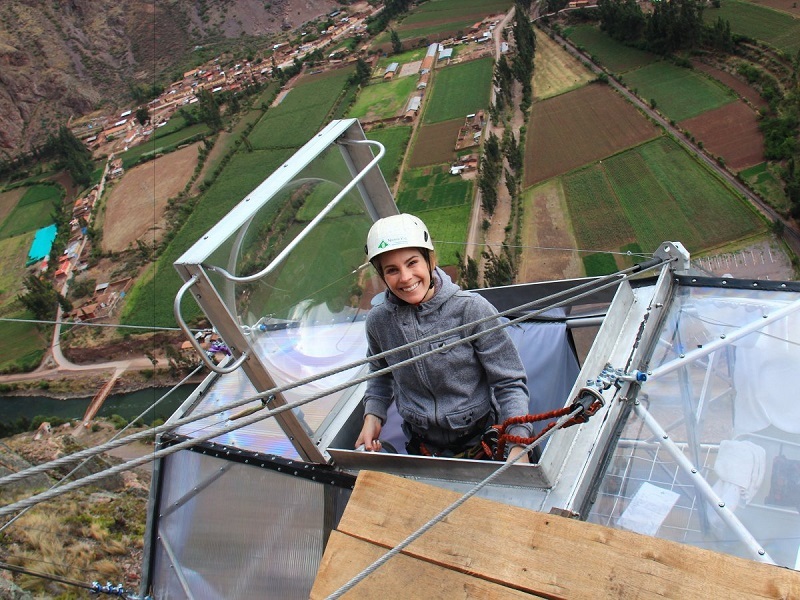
(448, 400)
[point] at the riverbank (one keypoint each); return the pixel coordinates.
(65, 385)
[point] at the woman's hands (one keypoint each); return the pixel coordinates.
(370, 434)
(516, 450)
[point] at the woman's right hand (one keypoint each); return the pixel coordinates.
(370, 434)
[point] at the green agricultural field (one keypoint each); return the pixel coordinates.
(432, 187)
(29, 343)
(441, 12)
(162, 145)
(679, 93)
(301, 113)
(769, 185)
(459, 90)
(383, 100)
(652, 193)
(402, 58)
(14, 251)
(450, 224)
(395, 140)
(34, 211)
(614, 56)
(777, 29)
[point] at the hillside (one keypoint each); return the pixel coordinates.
(64, 59)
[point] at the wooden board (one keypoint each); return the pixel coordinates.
(401, 577)
(535, 553)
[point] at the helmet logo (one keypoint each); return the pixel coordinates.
(383, 244)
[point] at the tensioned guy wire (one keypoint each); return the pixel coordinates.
(610, 280)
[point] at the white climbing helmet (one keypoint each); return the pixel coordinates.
(397, 231)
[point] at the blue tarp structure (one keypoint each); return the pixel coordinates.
(42, 242)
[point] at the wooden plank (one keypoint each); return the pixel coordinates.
(401, 577)
(547, 555)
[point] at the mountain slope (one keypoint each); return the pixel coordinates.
(63, 59)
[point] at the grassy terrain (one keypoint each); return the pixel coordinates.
(451, 225)
(439, 17)
(768, 185)
(616, 57)
(402, 58)
(164, 144)
(395, 140)
(459, 90)
(764, 24)
(432, 187)
(383, 100)
(679, 93)
(29, 345)
(652, 193)
(33, 211)
(302, 112)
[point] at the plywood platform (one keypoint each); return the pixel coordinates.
(489, 550)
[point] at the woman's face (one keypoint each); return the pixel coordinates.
(407, 275)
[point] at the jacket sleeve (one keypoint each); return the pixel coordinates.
(379, 394)
(503, 365)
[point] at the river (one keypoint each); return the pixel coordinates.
(128, 405)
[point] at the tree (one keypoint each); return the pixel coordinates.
(397, 45)
(208, 110)
(469, 272)
(42, 299)
(362, 73)
(142, 115)
(72, 156)
(499, 269)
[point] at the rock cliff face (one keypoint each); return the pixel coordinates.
(64, 59)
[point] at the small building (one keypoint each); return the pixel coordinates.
(423, 80)
(391, 71)
(445, 53)
(412, 109)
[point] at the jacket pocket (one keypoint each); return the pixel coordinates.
(465, 419)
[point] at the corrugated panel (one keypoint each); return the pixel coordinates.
(232, 531)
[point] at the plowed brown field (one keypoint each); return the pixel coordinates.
(138, 201)
(730, 132)
(580, 127)
(435, 143)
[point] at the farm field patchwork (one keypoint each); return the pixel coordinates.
(395, 140)
(555, 70)
(736, 84)
(652, 193)
(150, 300)
(579, 127)
(777, 29)
(432, 187)
(9, 200)
(731, 132)
(787, 6)
(678, 92)
(383, 100)
(435, 143)
(769, 185)
(33, 211)
(29, 343)
(459, 90)
(164, 144)
(14, 251)
(613, 55)
(415, 55)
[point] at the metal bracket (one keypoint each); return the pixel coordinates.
(669, 251)
(176, 308)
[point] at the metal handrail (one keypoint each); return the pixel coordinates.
(307, 229)
(176, 308)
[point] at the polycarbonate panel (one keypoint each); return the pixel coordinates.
(732, 412)
(265, 436)
(233, 531)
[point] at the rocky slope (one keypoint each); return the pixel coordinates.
(64, 59)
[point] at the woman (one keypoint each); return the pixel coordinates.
(450, 398)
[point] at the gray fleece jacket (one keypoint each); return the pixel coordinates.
(442, 396)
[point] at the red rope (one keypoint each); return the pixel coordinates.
(500, 450)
